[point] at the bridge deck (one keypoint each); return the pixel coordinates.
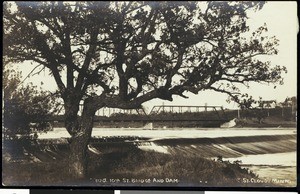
(158, 120)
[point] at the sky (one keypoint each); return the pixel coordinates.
(282, 22)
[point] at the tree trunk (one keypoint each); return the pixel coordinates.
(78, 157)
(71, 117)
(79, 144)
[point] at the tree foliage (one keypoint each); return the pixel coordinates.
(132, 52)
(25, 107)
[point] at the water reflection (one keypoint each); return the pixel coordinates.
(277, 159)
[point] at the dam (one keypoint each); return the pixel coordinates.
(268, 152)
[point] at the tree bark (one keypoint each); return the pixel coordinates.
(78, 157)
(71, 118)
(78, 160)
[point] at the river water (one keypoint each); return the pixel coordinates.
(173, 133)
(278, 168)
(278, 165)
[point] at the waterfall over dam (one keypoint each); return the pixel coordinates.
(227, 147)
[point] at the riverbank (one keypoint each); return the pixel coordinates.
(268, 122)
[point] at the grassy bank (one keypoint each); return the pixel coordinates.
(186, 170)
(119, 161)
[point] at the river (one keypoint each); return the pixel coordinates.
(268, 152)
(173, 133)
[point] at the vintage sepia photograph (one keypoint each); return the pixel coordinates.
(149, 94)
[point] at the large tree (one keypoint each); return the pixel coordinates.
(122, 54)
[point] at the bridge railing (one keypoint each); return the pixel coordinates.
(217, 110)
(108, 112)
(105, 111)
(182, 109)
(112, 111)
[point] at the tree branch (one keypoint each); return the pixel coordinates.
(28, 75)
(88, 58)
(50, 57)
(232, 94)
(175, 69)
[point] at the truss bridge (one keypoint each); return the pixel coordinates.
(163, 115)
